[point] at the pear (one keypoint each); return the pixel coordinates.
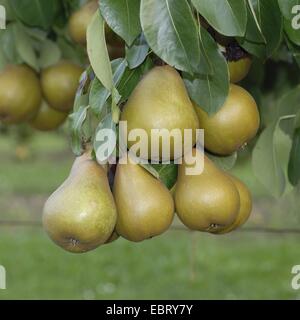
(81, 214)
(245, 206)
(80, 20)
(236, 123)
(145, 206)
(160, 101)
(113, 237)
(60, 83)
(47, 118)
(207, 201)
(20, 94)
(239, 69)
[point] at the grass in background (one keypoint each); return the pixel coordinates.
(177, 265)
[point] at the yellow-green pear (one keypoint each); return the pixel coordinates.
(245, 206)
(81, 214)
(60, 83)
(20, 94)
(239, 69)
(236, 123)
(79, 21)
(48, 119)
(206, 201)
(113, 237)
(145, 205)
(160, 101)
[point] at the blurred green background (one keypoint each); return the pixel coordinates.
(176, 265)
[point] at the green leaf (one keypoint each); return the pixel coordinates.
(167, 173)
(131, 78)
(7, 40)
(104, 143)
(228, 17)
(122, 16)
(265, 161)
(98, 96)
(81, 98)
(137, 53)
(224, 163)
(288, 105)
(77, 120)
(264, 28)
(294, 50)
(171, 32)
(24, 46)
(116, 112)
(97, 51)
(294, 162)
(71, 52)
(98, 93)
(50, 54)
(148, 167)
(210, 91)
(118, 68)
(36, 13)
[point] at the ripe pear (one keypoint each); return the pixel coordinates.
(145, 206)
(236, 123)
(80, 20)
(160, 101)
(20, 94)
(48, 119)
(81, 214)
(245, 206)
(207, 201)
(60, 83)
(239, 69)
(113, 237)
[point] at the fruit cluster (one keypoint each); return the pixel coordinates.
(85, 212)
(42, 100)
(45, 100)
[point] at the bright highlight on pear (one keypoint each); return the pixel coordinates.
(208, 201)
(81, 214)
(235, 124)
(160, 101)
(145, 206)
